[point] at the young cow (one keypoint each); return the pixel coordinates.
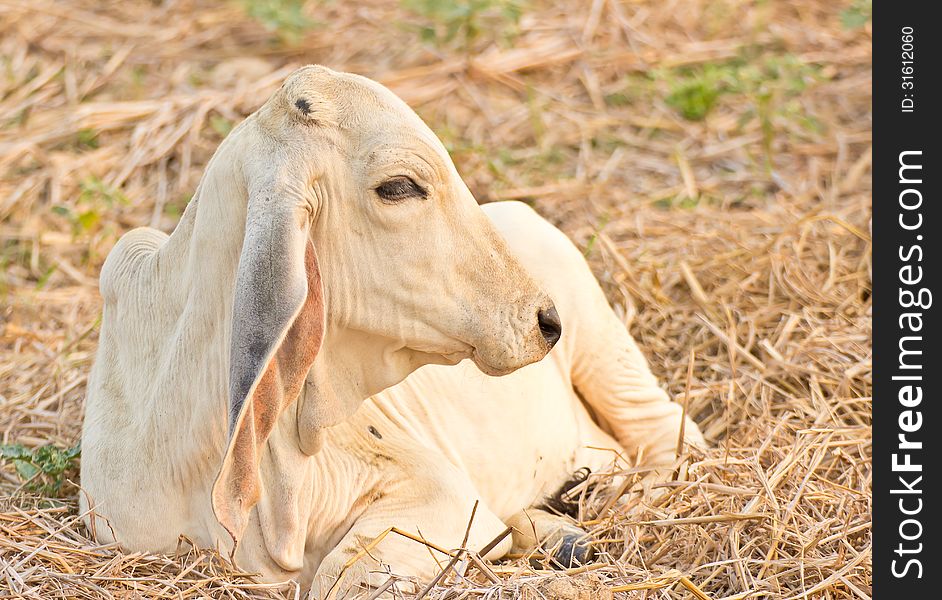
(330, 250)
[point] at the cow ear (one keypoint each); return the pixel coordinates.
(277, 330)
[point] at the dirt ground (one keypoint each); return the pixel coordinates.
(711, 158)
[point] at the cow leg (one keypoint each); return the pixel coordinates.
(612, 376)
(609, 371)
(422, 513)
(412, 546)
(565, 543)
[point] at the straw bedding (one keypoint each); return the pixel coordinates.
(712, 159)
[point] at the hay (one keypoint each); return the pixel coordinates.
(737, 246)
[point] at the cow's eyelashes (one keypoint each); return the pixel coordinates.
(399, 188)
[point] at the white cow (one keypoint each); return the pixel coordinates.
(330, 250)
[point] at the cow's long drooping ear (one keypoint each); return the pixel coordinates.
(277, 330)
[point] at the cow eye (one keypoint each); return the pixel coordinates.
(400, 188)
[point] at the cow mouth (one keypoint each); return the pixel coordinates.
(471, 351)
(488, 368)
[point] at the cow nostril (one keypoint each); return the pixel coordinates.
(550, 326)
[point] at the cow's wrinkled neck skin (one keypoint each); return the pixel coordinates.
(165, 329)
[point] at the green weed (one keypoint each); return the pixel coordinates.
(86, 138)
(590, 245)
(285, 18)
(42, 470)
(95, 198)
(694, 91)
(857, 14)
(220, 125)
(695, 94)
(466, 20)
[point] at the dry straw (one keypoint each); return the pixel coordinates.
(735, 242)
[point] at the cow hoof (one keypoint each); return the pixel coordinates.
(573, 551)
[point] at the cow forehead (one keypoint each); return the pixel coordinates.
(384, 110)
(366, 112)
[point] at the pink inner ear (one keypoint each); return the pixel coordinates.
(303, 340)
(237, 489)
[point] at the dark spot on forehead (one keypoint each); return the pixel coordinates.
(303, 105)
(375, 432)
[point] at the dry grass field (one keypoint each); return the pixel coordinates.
(711, 158)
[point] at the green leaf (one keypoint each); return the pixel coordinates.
(87, 138)
(220, 125)
(42, 469)
(857, 14)
(466, 20)
(87, 220)
(284, 17)
(12, 451)
(25, 469)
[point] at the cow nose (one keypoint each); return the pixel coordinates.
(550, 326)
